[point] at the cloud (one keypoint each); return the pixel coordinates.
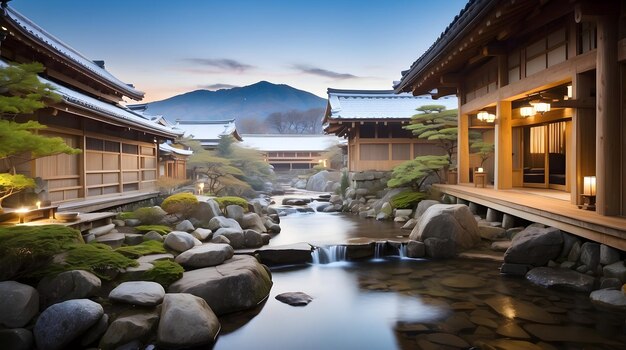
(217, 86)
(225, 64)
(323, 72)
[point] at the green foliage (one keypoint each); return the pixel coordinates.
(10, 184)
(161, 229)
(97, 258)
(165, 272)
(435, 123)
(225, 201)
(415, 172)
(145, 248)
(224, 146)
(407, 199)
(149, 215)
(126, 215)
(25, 93)
(483, 149)
(26, 249)
(180, 203)
(344, 183)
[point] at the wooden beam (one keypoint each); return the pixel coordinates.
(444, 91)
(503, 147)
(589, 11)
(493, 50)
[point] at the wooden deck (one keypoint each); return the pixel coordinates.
(546, 207)
(84, 222)
(99, 203)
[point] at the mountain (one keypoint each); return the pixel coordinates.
(256, 101)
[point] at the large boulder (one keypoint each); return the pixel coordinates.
(437, 248)
(590, 254)
(206, 255)
(453, 222)
(18, 304)
(234, 235)
(297, 253)
(16, 339)
(422, 206)
(142, 293)
(534, 246)
(179, 241)
(558, 278)
(234, 212)
(62, 323)
(75, 284)
(205, 211)
(254, 222)
(130, 326)
(239, 283)
(186, 321)
(223, 222)
(318, 181)
(252, 239)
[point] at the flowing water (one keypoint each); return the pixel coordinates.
(392, 302)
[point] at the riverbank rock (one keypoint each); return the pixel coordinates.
(415, 249)
(18, 304)
(453, 222)
(179, 241)
(202, 234)
(16, 339)
(534, 246)
(205, 211)
(297, 253)
(422, 206)
(185, 226)
(142, 293)
(76, 284)
(253, 221)
(615, 270)
(186, 321)
(206, 255)
(61, 323)
(610, 298)
(294, 298)
(252, 239)
(565, 279)
(238, 284)
(130, 326)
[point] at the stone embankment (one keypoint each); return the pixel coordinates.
(74, 309)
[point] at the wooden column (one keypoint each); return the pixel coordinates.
(583, 153)
(503, 165)
(608, 172)
(463, 149)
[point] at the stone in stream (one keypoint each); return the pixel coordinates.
(565, 279)
(18, 304)
(294, 298)
(447, 340)
(569, 333)
(297, 253)
(507, 344)
(186, 321)
(512, 330)
(463, 281)
(609, 297)
(510, 307)
(534, 246)
(209, 254)
(453, 222)
(62, 323)
(142, 293)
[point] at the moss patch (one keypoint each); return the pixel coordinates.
(145, 248)
(97, 258)
(180, 203)
(232, 200)
(149, 215)
(162, 229)
(407, 199)
(126, 215)
(26, 249)
(165, 272)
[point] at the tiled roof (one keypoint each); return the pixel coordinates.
(283, 142)
(168, 148)
(55, 44)
(207, 130)
(377, 104)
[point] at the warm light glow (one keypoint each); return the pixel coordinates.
(201, 185)
(22, 210)
(38, 204)
(482, 115)
(541, 107)
(589, 185)
(537, 140)
(569, 91)
(527, 111)
(490, 118)
(481, 170)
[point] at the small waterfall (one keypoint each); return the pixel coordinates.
(379, 250)
(329, 254)
(403, 251)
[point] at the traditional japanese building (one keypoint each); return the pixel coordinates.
(372, 121)
(287, 152)
(546, 79)
(119, 161)
(208, 132)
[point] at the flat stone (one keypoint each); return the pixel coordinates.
(134, 325)
(513, 308)
(136, 272)
(19, 304)
(507, 344)
(133, 238)
(457, 323)
(143, 293)
(447, 339)
(491, 233)
(153, 236)
(573, 334)
(62, 323)
(512, 330)
(294, 298)
(483, 321)
(16, 339)
(286, 254)
(76, 284)
(463, 281)
(186, 321)
(179, 241)
(500, 246)
(206, 255)
(102, 230)
(185, 226)
(565, 279)
(252, 238)
(114, 240)
(154, 257)
(410, 327)
(202, 234)
(609, 297)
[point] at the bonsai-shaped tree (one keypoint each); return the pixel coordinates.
(414, 173)
(483, 149)
(435, 123)
(21, 93)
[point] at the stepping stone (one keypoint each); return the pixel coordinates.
(294, 298)
(102, 230)
(287, 254)
(570, 334)
(512, 330)
(565, 279)
(506, 344)
(113, 240)
(447, 339)
(142, 293)
(465, 282)
(483, 321)
(513, 308)
(133, 238)
(155, 257)
(206, 255)
(136, 272)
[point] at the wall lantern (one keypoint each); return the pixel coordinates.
(589, 193)
(569, 93)
(540, 106)
(490, 118)
(482, 115)
(527, 110)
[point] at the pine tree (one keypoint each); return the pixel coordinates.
(435, 123)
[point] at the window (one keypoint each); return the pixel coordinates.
(374, 152)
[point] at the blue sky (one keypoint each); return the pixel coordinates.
(169, 47)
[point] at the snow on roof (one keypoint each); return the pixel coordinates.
(378, 104)
(168, 148)
(64, 49)
(282, 142)
(207, 130)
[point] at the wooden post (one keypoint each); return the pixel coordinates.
(463, 149)
(583, 153)
(608, 172)
(503, 167)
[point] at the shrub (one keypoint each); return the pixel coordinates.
(181, 203)
(344, 184)
(232, 200)
(149, 215)
(145, 248)
(407, 199)
(126, 215)
(165, 272)
(26, 249)
(161, 229)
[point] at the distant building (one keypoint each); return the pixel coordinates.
(372, 121)
(292, 152)
(208, 132)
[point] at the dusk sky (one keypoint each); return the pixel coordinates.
(166, 48)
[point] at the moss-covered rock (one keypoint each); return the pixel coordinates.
(165, 272)
(232, 200)
(145, 248)
(162, 229)
(150, 215)
(126, 215)
(25, 249)
(180, 204)
(407, 199)
(96, 258)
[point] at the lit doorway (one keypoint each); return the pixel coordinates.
(544, 155)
